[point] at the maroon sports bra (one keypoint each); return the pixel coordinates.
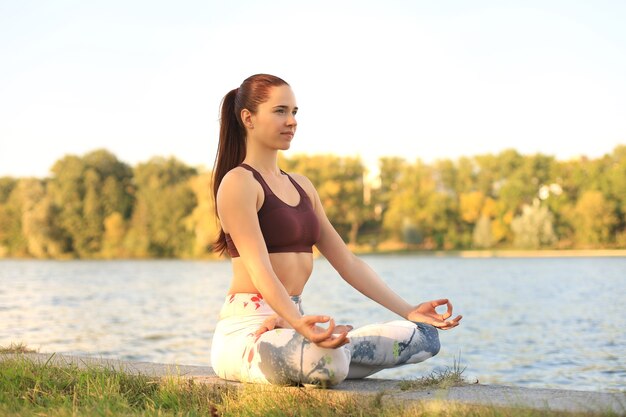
(285, 228)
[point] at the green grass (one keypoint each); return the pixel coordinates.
(28, 388)
(438, 379)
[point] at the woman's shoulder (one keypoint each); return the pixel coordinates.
(237, 179)
(237, 174)
(302, 180)
(306, 184)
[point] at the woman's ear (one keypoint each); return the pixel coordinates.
(246, 118)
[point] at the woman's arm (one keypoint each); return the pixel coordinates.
(237, 209)
(363, 278)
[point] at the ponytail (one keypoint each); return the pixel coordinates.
(231, 150)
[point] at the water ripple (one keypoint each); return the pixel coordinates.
(531, 322)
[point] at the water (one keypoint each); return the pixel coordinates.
(534, 322)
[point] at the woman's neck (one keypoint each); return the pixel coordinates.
(264, 162)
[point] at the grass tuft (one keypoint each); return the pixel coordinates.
(17, 348)
(438, 379)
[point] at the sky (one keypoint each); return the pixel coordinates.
(410, 78)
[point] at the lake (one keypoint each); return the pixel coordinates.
(533, 322)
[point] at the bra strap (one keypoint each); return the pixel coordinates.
(295, 184)
(257, 176)
(266, 188)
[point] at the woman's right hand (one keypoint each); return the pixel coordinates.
(326, 338)
(426, 313)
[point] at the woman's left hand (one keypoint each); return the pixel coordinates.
(277, 322)
(426, 313)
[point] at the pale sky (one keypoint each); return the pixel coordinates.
(413, 78)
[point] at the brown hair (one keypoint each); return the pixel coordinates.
(231, 149)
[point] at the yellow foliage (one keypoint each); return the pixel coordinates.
(508, 217)
(202, 221)
(594, 219)
(489, 208)
(499, 230)
(114, 232)
(471, 206)
(114, 228)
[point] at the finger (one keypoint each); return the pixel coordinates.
(443, 324)
(448, 312)
(334, 342)
(437, 303)
(326, 334)
(343, 328)
(316, 319)
(455, 320)
(452, 323)
(449, 326)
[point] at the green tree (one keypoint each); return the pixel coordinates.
(164, 201)
(391, 171)
(418, 211)
(202, 220)
(12, 241)
(66, 189)
(7, 184)
(482, 237)
(400, 219)
(86, 190)
(594, 219)
(38, 235)
(7, 217)
(113, 239)
(616, 175)
(466, 171)
(533, 227)
(90, 238)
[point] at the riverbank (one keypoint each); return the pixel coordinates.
(374, 396)
(399, 250)
(502, 253)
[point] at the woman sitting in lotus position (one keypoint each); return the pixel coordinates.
(270, 221)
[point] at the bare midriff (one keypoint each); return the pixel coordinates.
(293, 271)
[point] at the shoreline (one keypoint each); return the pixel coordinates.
(386, 390)
(506, 253)
(465, 253)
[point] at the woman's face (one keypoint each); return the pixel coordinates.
(274, 123)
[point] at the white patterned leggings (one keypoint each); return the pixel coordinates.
(284, 357)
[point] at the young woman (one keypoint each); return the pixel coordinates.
(270, 221)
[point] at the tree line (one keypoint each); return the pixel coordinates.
(96, 206)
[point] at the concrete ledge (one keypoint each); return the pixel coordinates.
(497, 395)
